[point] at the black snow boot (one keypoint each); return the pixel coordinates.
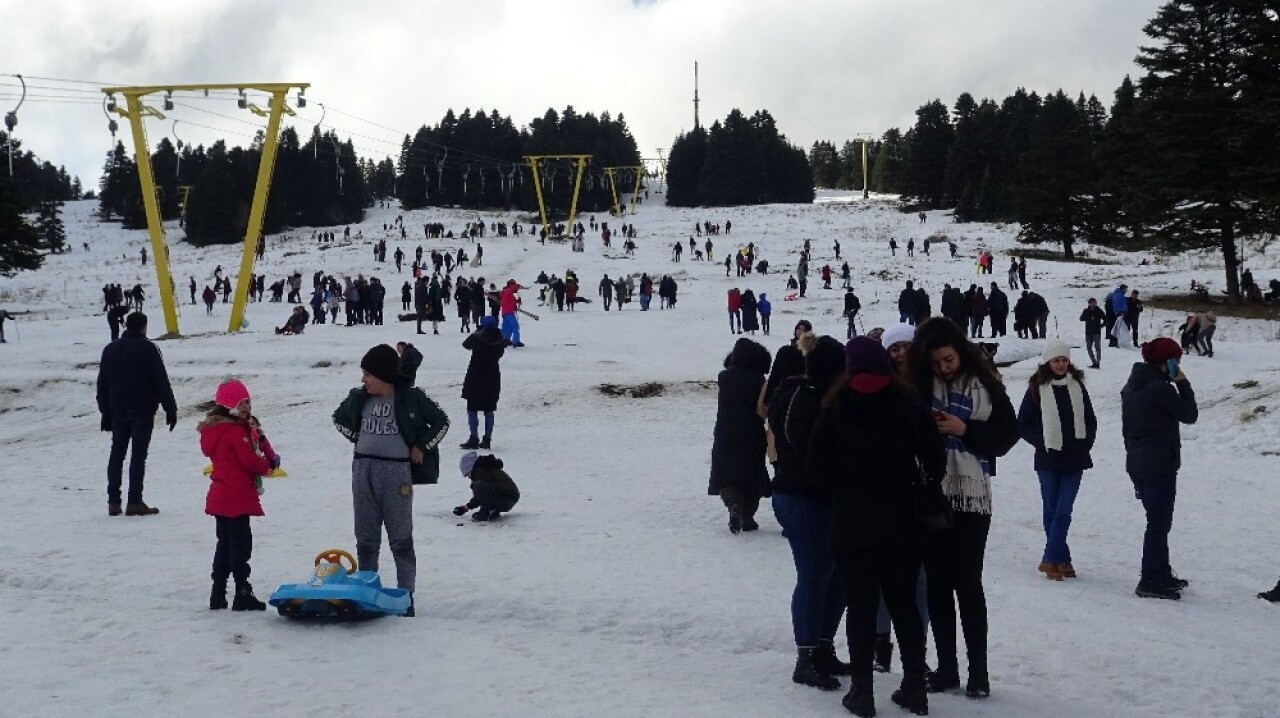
(1273, 595)
(749, 524)
(735, 519)
(884, 653)
(218, 596)
(470, 444)
(1156, 589)
(979, 685)
(912, 694)
(484, 443)
(245, 600)
(824, 658)
(943, 679)
(410, 613)
(807, 673)
(861, 699)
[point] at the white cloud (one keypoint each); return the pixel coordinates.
(825, 69)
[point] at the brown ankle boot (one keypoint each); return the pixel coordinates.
(113, 508)
(1050, 571)
(1067, 570)
(140, 509)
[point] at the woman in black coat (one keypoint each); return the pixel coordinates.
(749, 309)
(802, 508)
(483, 382)
(738, 474)
(871, 442)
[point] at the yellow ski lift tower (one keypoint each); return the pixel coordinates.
(635, 192)
(865, 138)
(581, 161)
(136, 112)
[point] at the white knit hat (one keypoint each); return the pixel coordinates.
(896, 334)
(1053, 349)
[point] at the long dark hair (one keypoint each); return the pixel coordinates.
(1044, 375)
(940, 332)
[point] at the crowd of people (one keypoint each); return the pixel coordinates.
(883, 449)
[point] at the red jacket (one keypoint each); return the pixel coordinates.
(735, 300)
(232, 492)
(507, 299)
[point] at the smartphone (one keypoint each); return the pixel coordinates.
(1172, 366)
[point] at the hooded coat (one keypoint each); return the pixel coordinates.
(738, 442)
(1151, 407)
(232, 490)
(483, 383)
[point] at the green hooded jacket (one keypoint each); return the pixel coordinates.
(421, 420)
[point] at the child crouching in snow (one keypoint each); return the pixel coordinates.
(230, 442)
(492, 490)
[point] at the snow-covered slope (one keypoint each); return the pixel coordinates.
(614, 587)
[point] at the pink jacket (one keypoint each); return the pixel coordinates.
(232, 491)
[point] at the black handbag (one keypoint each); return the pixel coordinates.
(931, 505)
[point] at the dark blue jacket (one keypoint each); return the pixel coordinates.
(1074, 455)
(132, 378)
(997, 303)
(1151, 407)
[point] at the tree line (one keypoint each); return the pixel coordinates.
(742, 160)
(1185, 158)
(35, 185)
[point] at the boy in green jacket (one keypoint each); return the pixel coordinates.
(396, 431)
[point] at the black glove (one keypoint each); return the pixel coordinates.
(106, 423)
(171, 419)
(460, 510)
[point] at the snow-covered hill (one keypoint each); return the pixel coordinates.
(614, 588)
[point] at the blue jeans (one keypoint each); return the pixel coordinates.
(644, 302)
(1058, 491)
(128, 430)
(818, 601)
(1158, 494)
(511, 328)
(473, 423)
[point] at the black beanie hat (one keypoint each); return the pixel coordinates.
(382, 362)
(825, 361)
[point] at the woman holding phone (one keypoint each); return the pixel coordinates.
(975, 417)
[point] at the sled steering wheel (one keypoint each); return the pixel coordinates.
(335, 556)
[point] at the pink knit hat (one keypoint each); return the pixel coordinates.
(230, 393)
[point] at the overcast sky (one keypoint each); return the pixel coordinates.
(825, 69)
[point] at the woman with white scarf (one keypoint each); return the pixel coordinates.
(1057, 419)
(975, 417)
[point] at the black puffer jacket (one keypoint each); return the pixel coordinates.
(488, 469)
(1151, 409)
(867, 449)
(738, 443)
(483, 383)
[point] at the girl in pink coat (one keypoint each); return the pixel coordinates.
(231, 443)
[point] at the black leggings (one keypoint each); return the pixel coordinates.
(953, 564)
(235, 546)
(865, 574)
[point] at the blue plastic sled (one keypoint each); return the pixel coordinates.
(339, 592)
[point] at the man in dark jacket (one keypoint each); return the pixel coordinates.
(132, 384)
(907, 304)
(851, 308)
(1093, 318)
(998, 307)
(1151, 409)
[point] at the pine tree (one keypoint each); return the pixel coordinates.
(53, 235)
(890, 163)
(684, 168)
(1055, 176)
(19, 241)
(213, 211)
(930, 147)
(1206, 172)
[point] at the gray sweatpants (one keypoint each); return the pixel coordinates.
(382, 494)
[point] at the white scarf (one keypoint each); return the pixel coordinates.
(967, 483)
(1049, 418)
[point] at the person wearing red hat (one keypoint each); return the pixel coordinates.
(1157, 398)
